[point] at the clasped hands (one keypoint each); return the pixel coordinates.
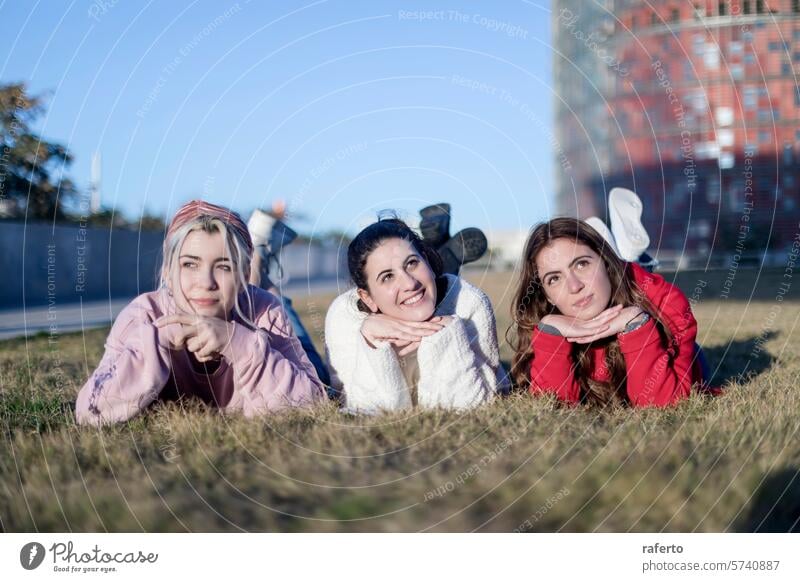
(610, 322)
(203, 336)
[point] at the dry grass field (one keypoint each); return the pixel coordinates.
(710, 464)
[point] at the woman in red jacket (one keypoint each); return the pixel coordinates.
(593, 328)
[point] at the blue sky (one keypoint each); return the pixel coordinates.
(339, 108)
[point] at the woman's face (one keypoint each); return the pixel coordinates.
(574, 278)
(206, 275)
(400, 282)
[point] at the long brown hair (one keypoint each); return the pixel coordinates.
(530, 306)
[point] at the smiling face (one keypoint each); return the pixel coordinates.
(205, 275)
(401, 283)
(574, 278)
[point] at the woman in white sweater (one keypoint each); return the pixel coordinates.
(406, 335)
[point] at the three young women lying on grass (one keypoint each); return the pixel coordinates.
(590, 328)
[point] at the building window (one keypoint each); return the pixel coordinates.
(750, 98)
(713, 190)
(747, 36)
(797, 135)
(699, 45)
(697, 100)
(749, 59)
(723, 9)
(711, 57)
(735, 47)
(759, 6)
(797, 96)
(747, 7)
(796, 6)
(654, 19)
(774, 46)
(786, 69)
(763, 137)
(675, 15)
(737, 72)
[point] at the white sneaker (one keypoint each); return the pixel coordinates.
(625, 212)
(269, 236)
(260, 227)
(603, 231)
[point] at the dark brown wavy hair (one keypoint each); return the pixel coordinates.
(530, 305)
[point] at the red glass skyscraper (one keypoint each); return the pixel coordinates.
(695, 106)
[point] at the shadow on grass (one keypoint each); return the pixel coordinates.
(739, 359)
(776, 504)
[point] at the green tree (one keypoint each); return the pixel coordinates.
(31, 168)
(150, 221)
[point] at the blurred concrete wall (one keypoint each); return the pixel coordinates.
(42, 264)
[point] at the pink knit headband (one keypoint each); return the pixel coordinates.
(196, 208)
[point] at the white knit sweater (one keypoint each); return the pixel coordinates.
(459, 366)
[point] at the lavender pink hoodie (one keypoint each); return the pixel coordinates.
(261, 370)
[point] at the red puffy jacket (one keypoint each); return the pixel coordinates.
(656, 376)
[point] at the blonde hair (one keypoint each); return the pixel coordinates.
(235, 248)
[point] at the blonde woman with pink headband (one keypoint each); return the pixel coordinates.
(205, 333)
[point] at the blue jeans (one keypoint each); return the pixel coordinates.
(704, 367)
(305, 340)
